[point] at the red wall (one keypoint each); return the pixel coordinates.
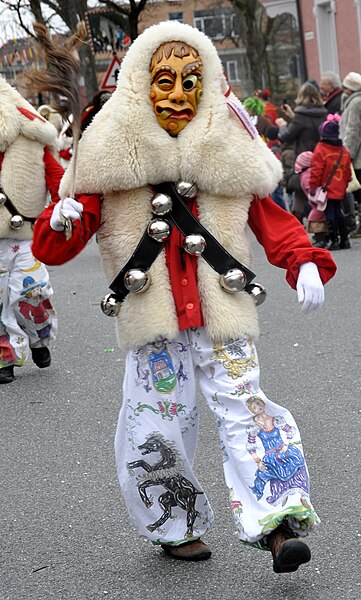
(347, 34)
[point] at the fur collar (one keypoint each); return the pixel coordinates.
(13, 122)
(130, 150)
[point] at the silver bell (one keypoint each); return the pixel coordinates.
(110, 305)
(233, 281)
(159, 230)
(16, 222)
(161, 204)
(3, 198)
(186, 189)
(195, 244)
(258, 292)
(136, 280)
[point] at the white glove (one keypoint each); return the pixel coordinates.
(310, 291)
(69, 208)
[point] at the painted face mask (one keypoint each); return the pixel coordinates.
(176, 85)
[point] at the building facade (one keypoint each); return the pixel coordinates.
(293, 40)
(331, 36)
(276, 39)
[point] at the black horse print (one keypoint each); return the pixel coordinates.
(166, 472)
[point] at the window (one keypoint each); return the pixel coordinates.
(234, 65)
(232, 71)
(324, 11)
(176, 16)
(217, 23)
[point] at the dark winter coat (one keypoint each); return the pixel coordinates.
(350, 127)
(333, 102)
(303, 127)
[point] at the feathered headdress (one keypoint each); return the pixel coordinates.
(60, 75)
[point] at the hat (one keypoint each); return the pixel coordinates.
(29, 284)
(329, 129)
(303, 161)
(264, 94)
(313, 82)
(352, 81)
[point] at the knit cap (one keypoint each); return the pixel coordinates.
(330, 129)
(352, 81)
(303, 161)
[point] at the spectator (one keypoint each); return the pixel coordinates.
(255, 108)
(315, 83)
(331, 169)
(302, 129)
(270, 110)
(331, 92)
(350, 129)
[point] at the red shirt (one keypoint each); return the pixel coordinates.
(285, 242)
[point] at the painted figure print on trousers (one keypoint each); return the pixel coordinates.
(27, 317)
(283, 464)
(159, 419)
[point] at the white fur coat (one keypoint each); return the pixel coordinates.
(22, 140)
(124, 150)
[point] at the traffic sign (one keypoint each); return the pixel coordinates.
(111, 76)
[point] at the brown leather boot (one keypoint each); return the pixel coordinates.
(194, 550)
(288, 551)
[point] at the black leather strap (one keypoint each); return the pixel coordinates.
(14, 211)
(142, 258)
(148, 249)
(215, 254)
(333, 170)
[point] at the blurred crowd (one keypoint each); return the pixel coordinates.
(317, 137)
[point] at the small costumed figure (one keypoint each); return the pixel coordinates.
(28, 171)
(178, 170)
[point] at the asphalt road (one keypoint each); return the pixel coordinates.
(65, 532)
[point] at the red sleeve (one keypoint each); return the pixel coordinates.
(317, 169)
(53, 174)
(285, 241)
(51, 247)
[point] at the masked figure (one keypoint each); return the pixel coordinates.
(182, 172)
(28, 171)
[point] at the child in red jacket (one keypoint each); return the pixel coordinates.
(331, 168)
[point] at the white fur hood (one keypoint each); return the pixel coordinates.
(125, 148)
(14, 123)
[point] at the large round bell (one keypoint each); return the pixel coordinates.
(136, 280)
(161, 204)
(186, 189)
(194, 244)
(233, 281)
(159, 230)
(3, 198)
(258, 292)
(16, 222)
(110, 305)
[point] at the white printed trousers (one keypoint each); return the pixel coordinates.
(27, 317)
(156, 438)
